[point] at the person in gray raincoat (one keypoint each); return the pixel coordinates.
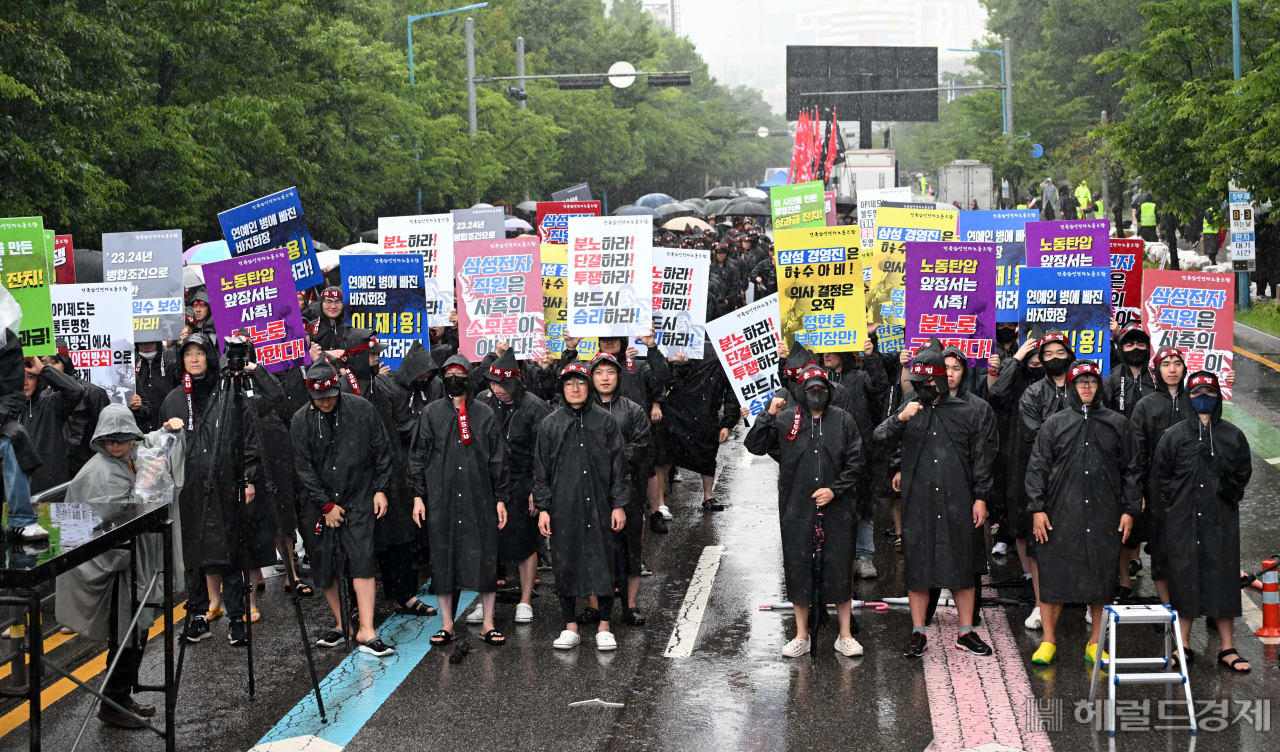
(581, 486)
(84, 594)
(1203, 465)
(1084, 489)
(820, 462)
(457, 471)
(945, 477)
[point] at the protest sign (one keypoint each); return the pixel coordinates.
(1126, 280)
(610, 268)
(868, 202)
(25, 271)
(95, 322)
(820, 297)
(829, 207)
(64, 261)
(484, 223)
(680, 281)
(273, 222)
(1007, 230)
(151, 263)
(384, 293)
(431, 236)
(951, 295)
(256, 293)
(1069, 243)
(798, 205)
(1076, 302)
(895, 225)
(746, 342)
(579, 192)
(498, 284)
(1193, 311)
(50, 246)
(553, 219)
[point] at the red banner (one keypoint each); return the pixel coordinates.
(64, 261)
(1126, 280)
(553, 219)
(1195, 312)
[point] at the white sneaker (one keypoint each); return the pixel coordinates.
(30, 532)
(795, 648)
(477, 615)
(567, 640)
(1000, 548)
(524, 613)
(1088, 615)
(666, 513)
(1033, 621)
(848, 646)
(605, 641)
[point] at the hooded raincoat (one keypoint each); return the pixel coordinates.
(699, 404)
(633, 424)
(1153, 416)
(44, 416)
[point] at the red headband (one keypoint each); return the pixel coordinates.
(332, 295)
(320, 386)
(811, 373)
(795, 372)
(363, 346)
(190, 319)
(62, 351)
(1084, 369)
(1203, 379)
(1054, 337)
(928, 370)
(1168, 352)
(576, 368)
(502, 373)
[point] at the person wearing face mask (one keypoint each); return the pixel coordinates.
(820, 468)
(1202, 465)
(1083, 486)
(581, 487)
(941, 446)
(1130, 381)
(1008, 358)
(155, 374)
(458, 474)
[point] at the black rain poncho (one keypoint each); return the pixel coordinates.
(277, 492)
(1123, 391)
(991, 435)
(1154, 415)
(1202, 472)
(699, 404)
(1084, 473)
(154, 378)
(642, 380)
(633, 424)
(1008, 470)
(461, 484)
(43, 417)
(417, 386)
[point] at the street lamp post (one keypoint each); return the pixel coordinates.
(1242, 278)
(1006, 78)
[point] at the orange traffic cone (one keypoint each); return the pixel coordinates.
(1270, 600)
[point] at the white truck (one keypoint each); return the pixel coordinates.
(966, 180)
(866, 169)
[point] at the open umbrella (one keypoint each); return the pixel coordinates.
(722, 191)
(671, 211)
(715, 207)
(216, 250)
(654, 200)
(515, 224)
(845, 201)
(679, 224)
(638, 211)
(745, 207)
(88, 266)
(755, 193)
(482, 205)
(527, 209)
(698, 202)
(192, 276)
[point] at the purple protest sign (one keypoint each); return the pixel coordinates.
(256, 293)
(1069, 243)
(951, 295)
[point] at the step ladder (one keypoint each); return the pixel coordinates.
(1113, 617)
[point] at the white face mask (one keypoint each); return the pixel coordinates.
(148, 355)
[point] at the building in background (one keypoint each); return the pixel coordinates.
(665, 13)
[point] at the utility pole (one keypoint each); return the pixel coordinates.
(1106, 203)
(1006, 60)
(471, 76)
(1243, 301)
(520, 68)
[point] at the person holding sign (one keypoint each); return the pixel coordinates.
(1203, 465)
(820, 461)
(1083, 485)
(46, 412)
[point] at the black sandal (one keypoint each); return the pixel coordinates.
(301, 589)
(897, 542)
(494, 637)
(1173, 658)
(1232, 664)
(417, 609)
(443, 637)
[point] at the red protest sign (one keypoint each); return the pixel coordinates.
(553, 219)
(64, 260)
(1192, 311)
(1126, 280)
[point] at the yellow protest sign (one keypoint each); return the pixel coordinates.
(896, 224)
(555, 303)
(820, 295)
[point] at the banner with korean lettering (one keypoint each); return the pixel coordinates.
(479, 223)
(25, 273)
(820, 297)
(895, 225)
(1076, 302)
(498, 284)
(95, 322)
(151, 263)
(553, 219)
(272, 222)
(384, 293)
(680, 281)
(64, 261)
(256, 293)
(798, 205)
(868, 202)
(1194, 311)
(1069, 243)
(610, 272)
(1007, 229)
(1126, 280)
(951, 295)
(431, 236)
(746, 342)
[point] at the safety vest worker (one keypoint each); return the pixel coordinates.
(1148, 215)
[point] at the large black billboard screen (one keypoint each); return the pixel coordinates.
(834, 69)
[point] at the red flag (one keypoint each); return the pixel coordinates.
(832, 148)
(797, 150)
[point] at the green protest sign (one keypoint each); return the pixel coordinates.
(799, 205)
(24, 272)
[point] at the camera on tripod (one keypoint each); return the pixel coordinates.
(239, 351)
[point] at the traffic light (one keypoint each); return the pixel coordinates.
(678, 79)
(580, 82)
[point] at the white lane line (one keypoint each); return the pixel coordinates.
(689, 619)
(1274, 461)
(1253, 617)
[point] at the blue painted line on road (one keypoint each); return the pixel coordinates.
(355, 689)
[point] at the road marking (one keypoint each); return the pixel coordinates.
(356, 688)
(689, 619)
(1258, 358)
(1264, 439)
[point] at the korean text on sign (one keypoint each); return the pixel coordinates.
(746, 342)
(820, 291)
(499, 285)
(255, 295)
(951, 295)
(1195, 312)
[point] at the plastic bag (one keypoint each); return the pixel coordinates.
(153, 483)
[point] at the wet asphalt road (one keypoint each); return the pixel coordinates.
(735, 691)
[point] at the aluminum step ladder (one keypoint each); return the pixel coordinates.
(1113, 617)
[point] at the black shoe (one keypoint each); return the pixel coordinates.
(377, 647)
(645, 571)
(633, 618)
(1135, 566)
(238, 634)
(544, 564)
(973, 643)
(658, 523)
(711, 505)
(1123, 594)
(146, 711)
(589, 615)
(198, 629)
(331, 639)
(889, 532)
(915, 648)
(113, 717)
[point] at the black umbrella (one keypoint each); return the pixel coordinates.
(698, 202)
(818, 606)
(843, 200)
(671, 211)
(88, 266)
(637, 211)
(722, 191)
(715, 207)
(745, 207)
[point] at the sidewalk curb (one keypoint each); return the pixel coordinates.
(1249, 333)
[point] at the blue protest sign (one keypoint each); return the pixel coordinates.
(273, 222)
(1076, 302)
(1007, 230)
(386, 294)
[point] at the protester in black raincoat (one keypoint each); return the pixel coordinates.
(519, 413)
(1010, 370)
(1084, 490)
(643, 380)
(155, 373)
(51, 398)
(331, 331)
(698, 413)
(820, 465)
(1130, 381)
(581, 486)
(417, 386)
(539, 376)
(1202, 466)
(942, 448)
(458, 474)
(217, 540)
(633, 423)
(342, 454)
(201, 315)
(764, 275)
(83, 421)
(19, 452)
